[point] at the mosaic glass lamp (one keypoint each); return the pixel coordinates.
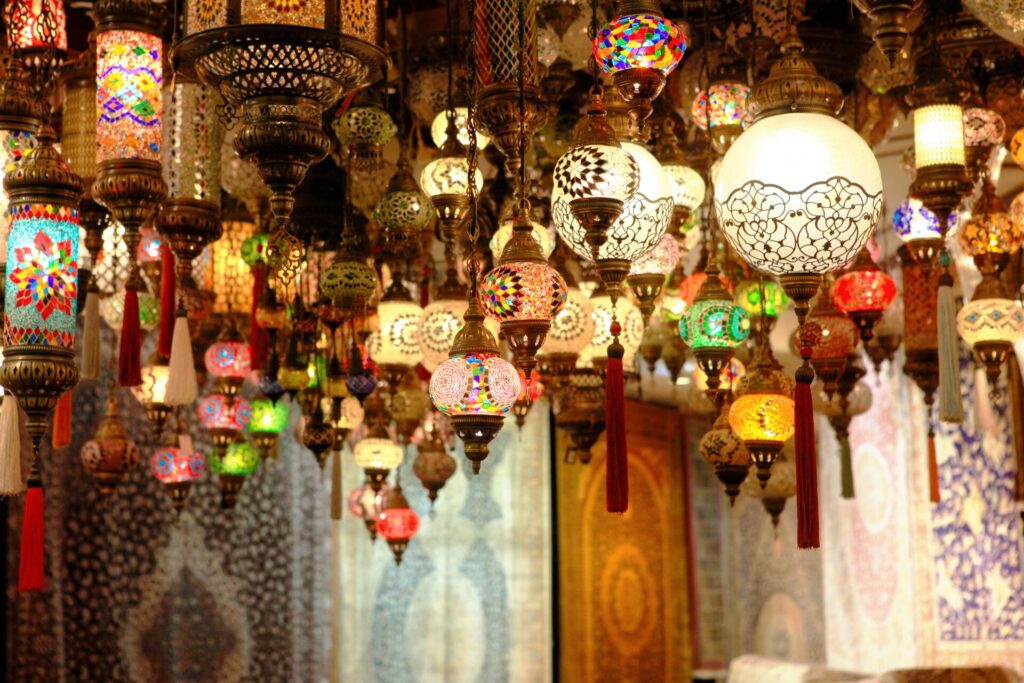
(223, 418)
(397, 523)
(763, 413)
(433, 466)
(365, 131)
(723, 449)
(364, 503)
(176, 467)
(749, 295)
(832, 337)
(713, 326)
(395, 346)
(571, 331)
(984, 130)
(919, 228)
(632, 321)
(403, 207)
(523, 293)
(269, 418)
(228, 362)
(545, 238)
(475, 387)
(721, 110)
(640, 47)
(238, 461)
(863, 293)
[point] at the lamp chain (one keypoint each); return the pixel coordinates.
(596, 89)
(521, 76)
(474, 222)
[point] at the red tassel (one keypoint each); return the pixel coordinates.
(258, 340)
(129, 362)
(806, 463)
(616, 464)
(933, 470)
(31, 572)
(167, 311)
(61, 437)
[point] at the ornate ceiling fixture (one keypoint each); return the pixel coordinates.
(724, 451)
(889, 23)
(797, 150)
(281, 69)
(433, 466)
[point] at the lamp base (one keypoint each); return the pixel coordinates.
(230, 487)
(501, 119)
(646, 288)
(763, 454)
(178, 492)
(38, 376)
(731, 477)
(477, 432)
(525, 337)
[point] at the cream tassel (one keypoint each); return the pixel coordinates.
(182, 387)
(10, 447)
(951, 407)
(984, 420)
(91, 338)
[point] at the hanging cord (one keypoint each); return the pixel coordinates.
(471, 154)
(521, 76)
(596, 89)
(450, 26)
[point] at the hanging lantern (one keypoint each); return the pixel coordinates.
(780, 487)
(999, 16)
(365, 131)
(796, 151)
(233, 258)
(640, 47)
(224, 419)
(377, 453)
(730, 377)
(853, 398)
(919, 228)
(920, 326)
(129, 75)
(20, 109)
(404, 207)
(318, 435)
(656, 335)
(238, 461)
(176, 467)
(152, 393)
(647, 275)
(984, 130)
(433, 466)
(560, 14)
(722, 108)
(397, 523)
(475, 387)
(394, 347)
(439, 129)
(112, 310)
(506, 55)
(863, 293)
(763, 413)
(523, 293)
(713, 326)
(349, 284)
(724, 451)
(445, 180)
(228, 362)
(109, 454)
(41, 289)
(269, 418)
(888, 335)
(589, 178)
(282, 81)
(991, 322)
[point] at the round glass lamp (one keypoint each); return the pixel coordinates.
(403, 207)
(110, 453)
(722, 111)
(269, 418)
(238, 461)
(763, 414)
(863, 293)
(397, 523)
(448, 176)
(176, 468)
(223, 418)
(229, 363)
(545, 238)
(571, 331)
(632, 322)
(723, 449)
(832, 337)
(647, 274)
(713, 326)
(152, 393)
(395, 346)
(365, 131)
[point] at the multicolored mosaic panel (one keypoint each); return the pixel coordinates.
(32, 30)
(216, 413)
(41, 299)
(727, 106)
(523, 291)
(241, 458)
(639, 41)
(192, 162)
(205, 14)
(14, 146)
(129, 73)
(474, 383)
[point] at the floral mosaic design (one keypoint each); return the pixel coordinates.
(129, 68)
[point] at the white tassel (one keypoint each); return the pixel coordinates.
(10, 447)
(182, 387)
(91, 338)
(951, 407)
(984, 420)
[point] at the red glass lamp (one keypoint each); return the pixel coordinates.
(863, 292)
(397, 522)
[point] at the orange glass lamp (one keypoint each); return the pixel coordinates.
(111, 453)
(831, 336)
(397, 523)
(763, 414)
